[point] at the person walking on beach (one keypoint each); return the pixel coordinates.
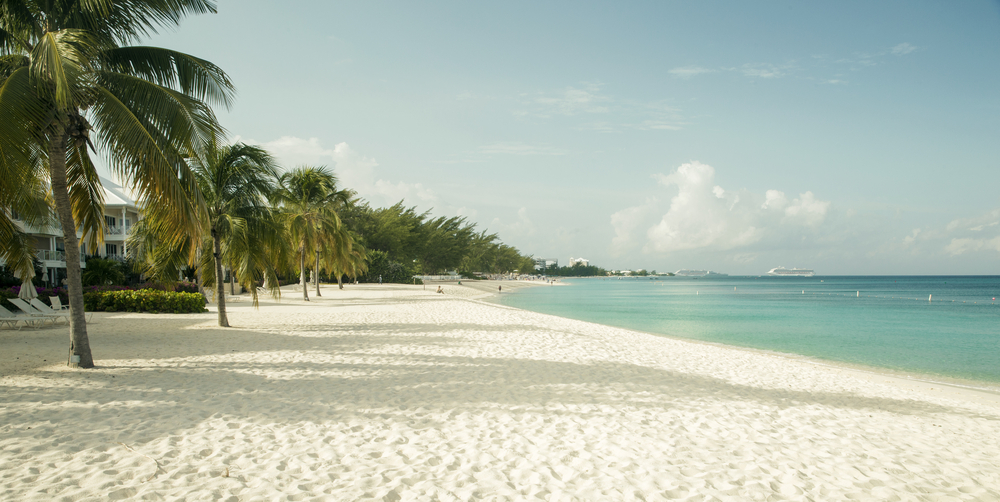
(499, 289)
(380, 280)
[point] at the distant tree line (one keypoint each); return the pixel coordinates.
(577, 270)
(402, 242)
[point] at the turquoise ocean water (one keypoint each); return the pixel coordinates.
(891, 325)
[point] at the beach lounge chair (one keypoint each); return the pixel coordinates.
(11, 319)
(45, 309)
(33, 312)
(57, 303)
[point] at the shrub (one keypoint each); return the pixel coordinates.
(186, 287)
(144, 300)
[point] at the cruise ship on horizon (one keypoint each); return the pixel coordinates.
(698, 273)
(791, 272)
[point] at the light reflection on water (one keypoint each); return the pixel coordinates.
(884, 322)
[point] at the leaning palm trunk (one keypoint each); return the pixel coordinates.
(220, 280)
(302, 271)
(317, 273)
(340, 282)
(79, 343)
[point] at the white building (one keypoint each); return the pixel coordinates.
(544, 263)
(120, 212)
(582, 261)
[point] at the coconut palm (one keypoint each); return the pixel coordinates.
(307, 199)
(101, 272)
(69, 81)
(235, 182)
(346, 256)
(24, 201)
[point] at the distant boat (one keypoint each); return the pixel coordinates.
(791, 272)
(698, 273)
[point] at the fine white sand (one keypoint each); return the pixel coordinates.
(398, 393)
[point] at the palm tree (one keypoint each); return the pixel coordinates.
(235, 182)
(307, 200)
(70, 80)
(346, 256)
(101, 272)
(25, 201)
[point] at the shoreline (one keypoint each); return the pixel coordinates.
(985, 386)
(398, 393)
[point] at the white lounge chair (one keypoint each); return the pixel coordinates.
(57, 303)
(11, 319)
(33, 312)
(45, 309)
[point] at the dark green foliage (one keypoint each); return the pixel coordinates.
(577, 270)
(144, 300)
(7, 278)
(101, 271)
(391, 271)
(426, 245)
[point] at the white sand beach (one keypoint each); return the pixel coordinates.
(397, 393)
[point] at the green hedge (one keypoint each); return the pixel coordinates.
(144, 300)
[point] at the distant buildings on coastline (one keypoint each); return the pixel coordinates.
(544, 263)
(582, 261)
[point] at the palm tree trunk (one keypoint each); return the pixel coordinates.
(302, 271)
(340, 281)
(232, 280)
(220, 281)
(317, 273)
(79, 342)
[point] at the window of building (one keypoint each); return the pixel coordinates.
(109, 221)
(110, 249)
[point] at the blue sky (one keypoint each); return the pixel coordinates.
(847, 137)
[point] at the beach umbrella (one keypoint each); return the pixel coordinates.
(27, 292)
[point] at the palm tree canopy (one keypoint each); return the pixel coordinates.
(308, 198)
(69, 84)
(63, 69)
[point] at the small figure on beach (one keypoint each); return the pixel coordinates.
(499, 289)
(380, 280)
(440, 290)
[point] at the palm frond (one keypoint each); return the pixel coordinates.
(86, 195)
(193, 76)
(142, 156)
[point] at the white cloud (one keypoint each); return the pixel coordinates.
(657, 125)
(703, 215)
(764, 70)
(689, 71)
(572, 101)
(970, 235)
(806, 210)
(626, 224)
(903, 48)
(965, 245)
(522, 226)
(354, 170)
(597, 111)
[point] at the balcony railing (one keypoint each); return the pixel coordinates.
(116, 230)
(47, 255)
